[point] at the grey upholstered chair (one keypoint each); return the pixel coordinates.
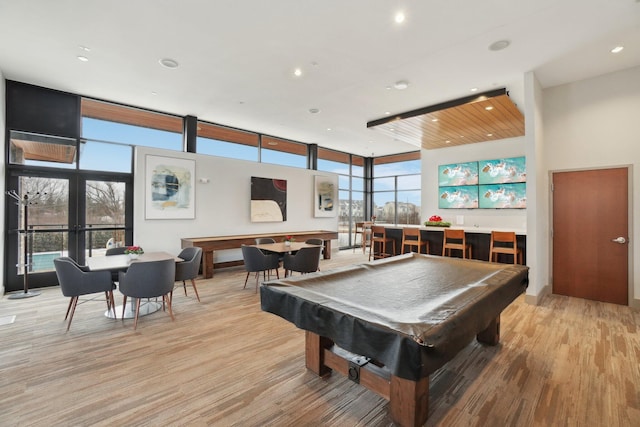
(263, 240)
(116, 251)
(149, 279)
(306, 260)
(267, 240)
(76, 280)
(319, 242)
(257, 262)
(189, 268)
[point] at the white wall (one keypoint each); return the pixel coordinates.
(595, 123)
(489, 218)
(537, 194)
(222, 205)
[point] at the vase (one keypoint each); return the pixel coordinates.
(134, 256)
(287, 243)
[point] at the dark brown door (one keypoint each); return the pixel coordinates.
(590, 234)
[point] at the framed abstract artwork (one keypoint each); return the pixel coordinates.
(325, 191)
(268, 199)
(169, 188)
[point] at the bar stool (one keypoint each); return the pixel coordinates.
(379, 235)
(362, 228)
(412, 237)
(506, 244)
(455, 239)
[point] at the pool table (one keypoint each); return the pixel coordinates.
(390, 323)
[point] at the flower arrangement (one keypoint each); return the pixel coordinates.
(289, 239)
(436, 221)
(136, 250)
(373, 218)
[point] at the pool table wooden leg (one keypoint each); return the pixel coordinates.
(409, 401)
(490, 335)
(314, 353)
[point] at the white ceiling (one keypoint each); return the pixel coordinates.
(237, 56)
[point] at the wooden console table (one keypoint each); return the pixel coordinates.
(216, 243)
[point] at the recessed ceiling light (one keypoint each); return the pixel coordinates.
(448, 141)
(401, 84)
(329, 129)
(272, 143)
(617, 49)
(314, 110)
(86, 49)
(499, 45)
(434, 120)
(386, 113)
(399, 17)
(489, 134)
(297, 72)
(489, 107)
(473, 89)
(154, 93)
(169, 63)
(83, 58)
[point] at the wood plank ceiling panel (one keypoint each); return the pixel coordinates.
(486, 117)
(43, 151)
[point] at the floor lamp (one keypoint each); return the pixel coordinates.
(24, 203)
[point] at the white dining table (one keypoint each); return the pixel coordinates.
(115, 263)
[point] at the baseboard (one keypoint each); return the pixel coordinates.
(536, 299)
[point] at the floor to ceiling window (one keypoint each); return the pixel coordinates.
(396, 188)
(74, 195)
(350, 170)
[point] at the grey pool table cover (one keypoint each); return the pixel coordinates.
(412, 313)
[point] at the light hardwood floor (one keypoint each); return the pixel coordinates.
(224, 362)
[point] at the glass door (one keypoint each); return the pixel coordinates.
(40, 229)
(62, 214)
(106, 223)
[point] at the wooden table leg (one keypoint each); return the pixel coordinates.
(490, 335)
(327, 249)
(314, 353)
(409, 401)
(207, 264)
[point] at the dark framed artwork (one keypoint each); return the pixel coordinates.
(268, 199)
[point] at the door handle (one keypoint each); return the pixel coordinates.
(620, 240)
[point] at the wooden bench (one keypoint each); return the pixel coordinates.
(216, 243)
